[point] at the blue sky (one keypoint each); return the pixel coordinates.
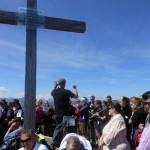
(111, 58)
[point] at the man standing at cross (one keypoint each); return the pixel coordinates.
(61, 98)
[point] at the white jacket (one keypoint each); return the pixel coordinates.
(86, 144)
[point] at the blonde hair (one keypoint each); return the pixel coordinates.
(135, 100)
(38, 102)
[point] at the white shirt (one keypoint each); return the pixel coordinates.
(38, 147)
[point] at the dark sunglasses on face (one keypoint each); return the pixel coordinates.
(147, 103)
(23, 141)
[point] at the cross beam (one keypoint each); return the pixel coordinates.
(11, 18)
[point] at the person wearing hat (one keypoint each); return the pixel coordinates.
(18, 117)
(61, 98)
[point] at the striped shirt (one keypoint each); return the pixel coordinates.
(145, 139)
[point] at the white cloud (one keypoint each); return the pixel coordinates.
(75, 56)
(5, 93)
(12, 45)
(13, 64)
(3, 90)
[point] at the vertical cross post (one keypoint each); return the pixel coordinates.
(30, 76)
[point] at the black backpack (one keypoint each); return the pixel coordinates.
(59, 133)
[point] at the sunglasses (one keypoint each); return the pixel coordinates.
(147, 103)
(23, 141)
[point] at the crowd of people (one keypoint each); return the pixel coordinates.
(11, 117)
(106, 124)
(102, 125)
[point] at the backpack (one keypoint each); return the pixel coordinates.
(41, 140)
(59, 133)
(137, 136)
(67, 125)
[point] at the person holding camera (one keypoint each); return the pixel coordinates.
(61, 98)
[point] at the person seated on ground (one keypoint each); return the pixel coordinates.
(28, 141)
(11, 139)
(5, 117)
(73, 141)
(5, 113)
(18, 117)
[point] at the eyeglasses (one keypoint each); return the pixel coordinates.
(23, 141)
(147, 103)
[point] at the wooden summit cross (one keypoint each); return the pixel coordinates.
(11, 18)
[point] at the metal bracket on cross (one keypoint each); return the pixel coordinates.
(31, 18)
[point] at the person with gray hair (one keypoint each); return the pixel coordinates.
(73, 141)
(28, 141)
